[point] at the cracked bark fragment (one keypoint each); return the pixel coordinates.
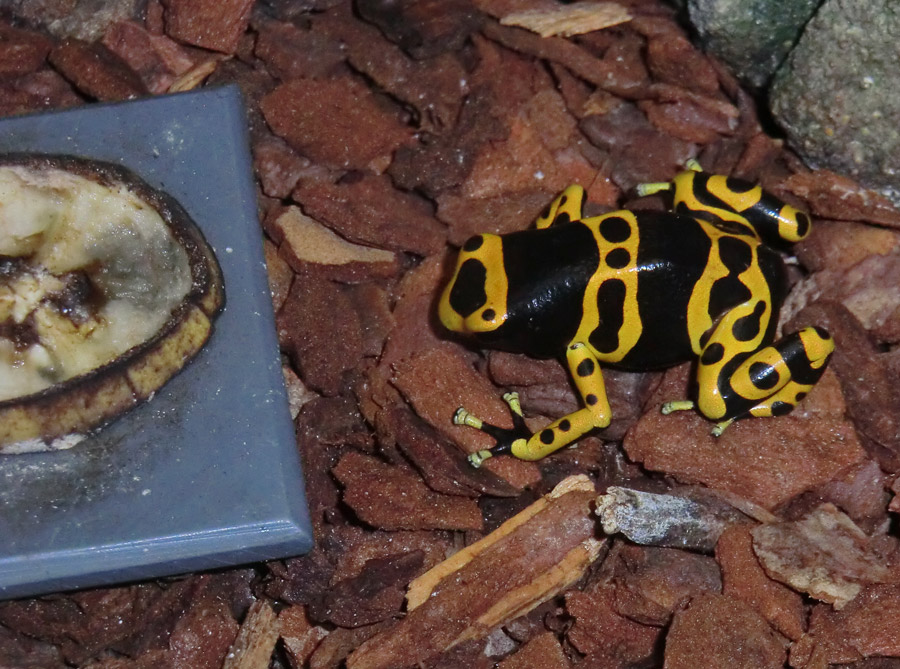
(567, 20)
(823, 554)
(256, 639)
(527, 560)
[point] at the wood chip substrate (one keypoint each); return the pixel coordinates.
(385, 134)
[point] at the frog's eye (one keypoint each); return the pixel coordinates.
(468, 292)
(475, 299)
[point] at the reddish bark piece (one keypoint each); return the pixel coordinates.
(545, 388)
(499, 214)
(831, 195)
(211, 24)
(867, 382)
(868, 289)
(866, 627)
(307, 245)
(375, 545)
(446, 160)
(438, 381)
(671, 57)
(156, 59)
(373, 304)
(859, 492)
(435, 87)
(96, 71)
(639, 152)
(413, 334)
(542, 652)
(290, 52)
(605, 636)
(765, 460)
(336, 122)
(744, 578)
(517, 566)
(823, 554)
(334, 648)
(373, 595)
(19, 650)
(298, 635)
(838, 245)
(410, 335)
(651, 583)
(320, 331)
(21, 51)
(538, 159)
(605, 73)
(442, 465)
(44, 89)
(202, 638)
(393, 497)
(277, 166)
(368, 209)
(189, 619)
(301, 580)
(721, 631)
(82, 625)
(541, 131)
(427, 27)
(689, 119)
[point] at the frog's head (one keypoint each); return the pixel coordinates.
(474, 300)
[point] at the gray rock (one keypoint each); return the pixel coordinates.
(84, 19)
(752, 37)
(838, 94)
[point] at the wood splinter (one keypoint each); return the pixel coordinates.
(529, 559)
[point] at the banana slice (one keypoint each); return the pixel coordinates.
(107, 289)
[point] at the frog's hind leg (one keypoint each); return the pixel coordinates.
(767, 382)
(805, 354)
(565, 208)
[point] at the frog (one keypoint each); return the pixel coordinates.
(702, 280)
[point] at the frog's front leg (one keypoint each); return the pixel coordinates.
(521, 443)
(767, 382)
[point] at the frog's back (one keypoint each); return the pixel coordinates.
(664, 280)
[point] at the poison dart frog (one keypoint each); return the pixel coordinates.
(641, 290)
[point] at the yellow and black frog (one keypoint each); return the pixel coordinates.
(641, 290)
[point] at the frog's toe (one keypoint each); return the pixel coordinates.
(477, 458)
(676, 405)
(463, 417)
(720, 427)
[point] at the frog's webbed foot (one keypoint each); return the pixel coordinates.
(687, 405)
(504, 437)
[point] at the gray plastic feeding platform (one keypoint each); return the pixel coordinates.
(206, 474)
